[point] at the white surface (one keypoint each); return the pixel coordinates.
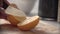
(25, 5)
(34, 11)
(3, 21)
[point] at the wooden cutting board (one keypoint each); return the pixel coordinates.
(41, 28)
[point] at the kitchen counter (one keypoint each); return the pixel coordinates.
(41, 28)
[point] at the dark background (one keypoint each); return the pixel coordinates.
(48, 9)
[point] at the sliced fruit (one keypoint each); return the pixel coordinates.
(18, 14)
(12, 20)
(29, 23)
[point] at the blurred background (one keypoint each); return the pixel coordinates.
(28, 6)
(46, 9)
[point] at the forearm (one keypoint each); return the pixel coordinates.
(6, 2)
(1, 3)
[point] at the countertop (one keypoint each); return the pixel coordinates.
(41, 28)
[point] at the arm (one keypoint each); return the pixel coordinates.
(1, 3)
(13, 5)
(6, 2)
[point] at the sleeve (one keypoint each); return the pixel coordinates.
(5, 4)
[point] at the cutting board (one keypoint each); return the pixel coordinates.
(41, 28)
